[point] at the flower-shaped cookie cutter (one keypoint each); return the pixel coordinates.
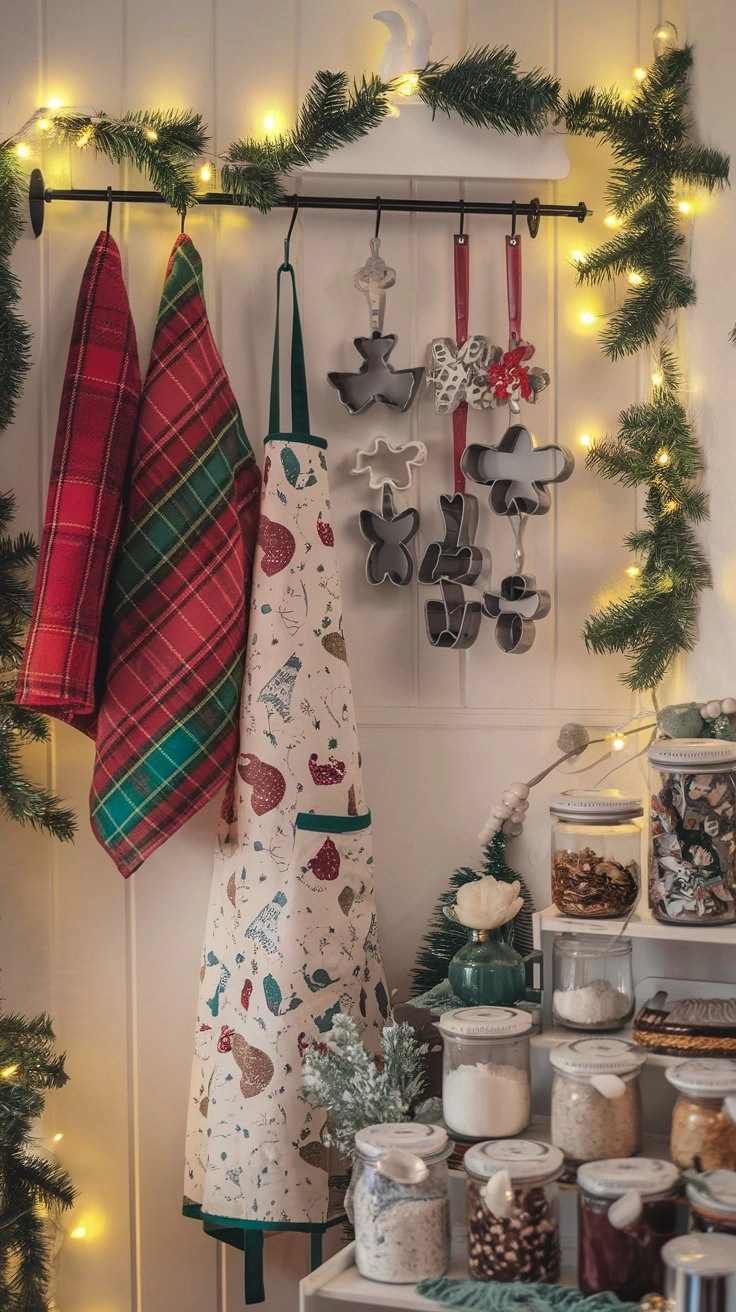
(515, 607)
(518, 471)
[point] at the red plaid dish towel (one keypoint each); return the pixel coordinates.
(99, 404)
(167, 733)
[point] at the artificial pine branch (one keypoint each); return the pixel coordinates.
(15, 336)
(444, 938)
(485, 88)
(332, 115)
(30, 1185)
(163, 145)
(655, 448)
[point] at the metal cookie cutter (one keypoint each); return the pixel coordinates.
(454, 621)
(388, 533)
(515, 608)
(376, 380)
(455, 558)
(518, 471)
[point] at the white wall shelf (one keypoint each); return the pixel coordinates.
(641, 925)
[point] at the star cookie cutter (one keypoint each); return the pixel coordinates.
(388, 533)
(385, 463)
(515, 607)
(518, 471)
(453, 621)
(455, 558)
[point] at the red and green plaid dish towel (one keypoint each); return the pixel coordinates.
(168, 725)
(64, 657)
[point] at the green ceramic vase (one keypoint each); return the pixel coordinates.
(487, 972)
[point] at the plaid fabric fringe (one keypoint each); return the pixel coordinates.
(65, 654)
(168, 726)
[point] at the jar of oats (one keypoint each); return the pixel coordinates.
(703, 1134)
(512, 1211)
(596, 1100)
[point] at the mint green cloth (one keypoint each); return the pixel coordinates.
(492, 1296)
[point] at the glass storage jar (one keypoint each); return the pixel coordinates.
(712, 1199)
(401, 1211)
(486, 1081)
(513, 1210)
(596, 853)
(703, 1134)
(596, 1100)
(592, 981)
(692, 828)
(627, 1210)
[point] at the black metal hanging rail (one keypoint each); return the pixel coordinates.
(39, 195)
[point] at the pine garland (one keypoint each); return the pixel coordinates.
(20, 799)
(163, 145)
(656, 448)
(15, 336)
(649, 134)
(30, 1185)
(444, 938)
(485, 88)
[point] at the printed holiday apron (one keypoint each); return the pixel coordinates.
(291, 933)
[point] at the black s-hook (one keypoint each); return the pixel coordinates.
(109, 210)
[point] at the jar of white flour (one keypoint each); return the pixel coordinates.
(486, 1085)
(401, 1210)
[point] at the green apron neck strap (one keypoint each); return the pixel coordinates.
(299, 401)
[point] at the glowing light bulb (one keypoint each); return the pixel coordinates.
(407, 84)
(54, 103)
(577, 256)
(8, 1071)
(22, 150)
(640, 74)
(612, 221)
(586, 440)
(84, 138)
(151, 134)
(663, 456)
(205, 173)
(79, 1232)
(636, 279)
(57, 1138)
(633, 571)
(684, 206)
(269, 123)
(665, 38)
(587, 317)
(44, 124)
(671, 505)
(666, 583)
(618, 742)
(657, 378)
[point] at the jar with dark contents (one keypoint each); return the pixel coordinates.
(512, 1211)
(712, 1199)
(627, 1211)
(692, 829)
(596, 853)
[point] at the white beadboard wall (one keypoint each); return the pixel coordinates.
(442, 733)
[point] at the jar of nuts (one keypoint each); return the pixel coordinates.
(703, 1134)
(512, 1210)
(627, 1211)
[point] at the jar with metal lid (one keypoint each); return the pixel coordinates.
(513, 1210)
(700, 1273)
(401, 1210)
(692, 851)
(592, 981)
(712, 1199)
(486, 1081)
(596, 853)
(626, 1212)
(703, 1134)
(596, 1100)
